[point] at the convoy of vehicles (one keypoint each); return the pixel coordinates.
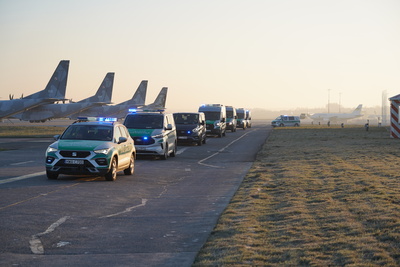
(102, 147)
(286, 120)
(215, 118)
(190, 127)
(154, 133)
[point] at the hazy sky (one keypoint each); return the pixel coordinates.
(273, 54)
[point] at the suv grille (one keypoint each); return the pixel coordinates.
(70, 154)
(140, 141)
(183, 133)
(210, 127)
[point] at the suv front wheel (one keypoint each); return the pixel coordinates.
(173, 153)
(52, 175)
(111, 175)
(165, 155)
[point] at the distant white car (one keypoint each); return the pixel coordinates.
(285, 120)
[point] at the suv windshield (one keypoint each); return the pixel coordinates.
(212, 115)
(88, 132)
(183, 118)
(240, 115)
(138, 121)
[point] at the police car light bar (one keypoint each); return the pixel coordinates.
(211, 105)
(105, 119)
(136, 110)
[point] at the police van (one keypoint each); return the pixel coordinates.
(285, 120)
(190, 127)
(241, 118)
(154, 132)
(215, 118)
(248, 118)
(231, 118)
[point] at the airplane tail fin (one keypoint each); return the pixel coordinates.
(56, 87)
(104, 93)
(357, 111)
(160, 101)
(139, 97)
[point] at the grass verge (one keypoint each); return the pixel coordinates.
(314, 197)
(26, 131)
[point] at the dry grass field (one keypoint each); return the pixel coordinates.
(30, 131)
(316, 196)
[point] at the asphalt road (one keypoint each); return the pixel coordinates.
(159, 216)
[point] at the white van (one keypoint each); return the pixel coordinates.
(154, 133)
(215, 118)
(285, 120)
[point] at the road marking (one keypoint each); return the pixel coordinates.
(37, 196)
(20, 163)
(221, 150)
(181, 150)
(144, 201)
(9, 180)
(35, 243)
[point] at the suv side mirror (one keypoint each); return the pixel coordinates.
(223, 120)
(122, 139)
(56, 137)
(169, 127)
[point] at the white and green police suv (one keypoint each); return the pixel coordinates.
(101, 147)
(154, 133)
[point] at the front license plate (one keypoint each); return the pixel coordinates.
(74, 161)
(182, 137)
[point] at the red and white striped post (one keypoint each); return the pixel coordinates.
(394, 116)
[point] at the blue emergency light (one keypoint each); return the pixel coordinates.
(135, 110)
(106, 119)
(101, 119)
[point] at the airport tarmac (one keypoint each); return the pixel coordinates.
(159, 216)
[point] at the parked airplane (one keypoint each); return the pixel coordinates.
(334, 117)
(157, 105)
(51, 111)
(120, 109)
(54, 91)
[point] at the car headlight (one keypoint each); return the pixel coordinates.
(51, 149)
(158, 136)
(195, 130)
(102, 151)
